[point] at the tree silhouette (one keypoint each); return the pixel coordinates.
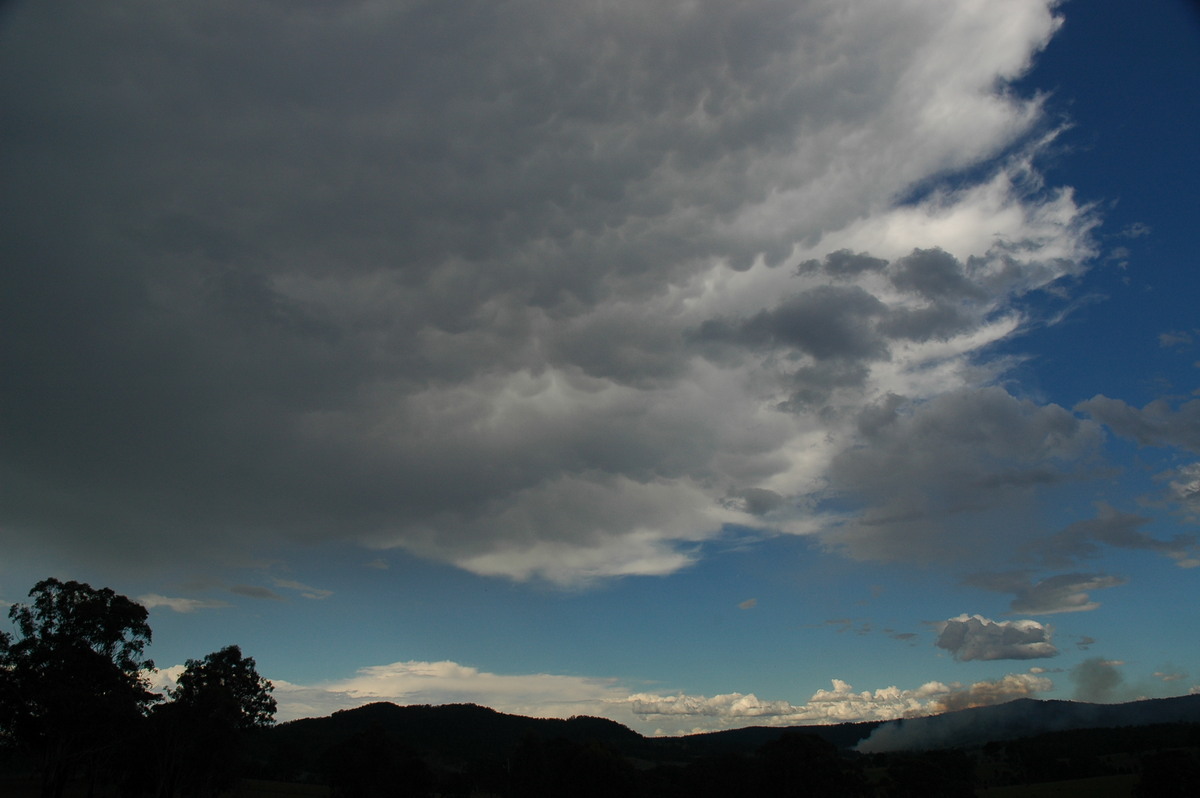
(198, 736)
(72, 684)
(225, 687)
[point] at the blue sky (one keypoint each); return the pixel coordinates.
(690, 364)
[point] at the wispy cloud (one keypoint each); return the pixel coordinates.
(1054, 594)
(179, 604)
(1081, 540)
(256, 592)
(305, 590)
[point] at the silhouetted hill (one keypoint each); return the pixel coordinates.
(467, 732)
(451, 731)
(464, 749)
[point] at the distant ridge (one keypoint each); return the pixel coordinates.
(458, 731)
(465, 750)
(465, 732)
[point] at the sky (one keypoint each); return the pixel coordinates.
(692, 364)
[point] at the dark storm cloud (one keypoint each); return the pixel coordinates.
(943, 477)
(812, 386)
(429, 275)
(826, 338)
(843, 265)
(757, 501)
(934, 274)
(829, 322)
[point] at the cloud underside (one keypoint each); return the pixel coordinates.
(539, 291)
(551, 695)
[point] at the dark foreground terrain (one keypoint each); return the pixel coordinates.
(1026, 748)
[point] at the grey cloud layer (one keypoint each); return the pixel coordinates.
(511, 285)
(941, 477)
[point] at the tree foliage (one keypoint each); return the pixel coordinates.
(225, 688)
(72, 682)
(75, 699)
(198, 734)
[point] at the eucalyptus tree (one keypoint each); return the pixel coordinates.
(73, 683)
(201, 732)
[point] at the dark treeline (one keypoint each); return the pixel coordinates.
(77, 718)
(379, 751)
(77, 714)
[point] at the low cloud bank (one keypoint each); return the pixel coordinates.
(551, 695)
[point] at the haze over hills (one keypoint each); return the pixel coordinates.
(1023, 718)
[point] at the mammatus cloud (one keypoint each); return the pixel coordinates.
(970, 637)
(1054, 594)
(550, 695)
(542, 292)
